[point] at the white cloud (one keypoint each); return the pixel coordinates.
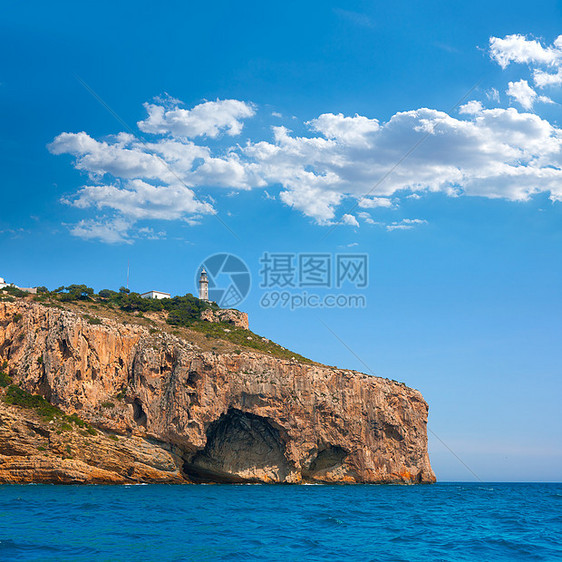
(471, 108)
(350, 220)
(110, 231)
(517, 48)
(405, 224)
(545, 62)
(139, 200)
(346, 130)
(116, 230)
(367, 218)
(522, 93)
(313, 202)
(372, 202)
(206, 119)
(495, 153)
(493, 95)
(483, 155)
(543, 79)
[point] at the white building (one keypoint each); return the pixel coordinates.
(32, 290)
(156, 295)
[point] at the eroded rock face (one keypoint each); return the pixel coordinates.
(35, 450)
(240, 417)
(230, 316)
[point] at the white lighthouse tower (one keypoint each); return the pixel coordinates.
(204, 286)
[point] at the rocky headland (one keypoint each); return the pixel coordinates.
(93, 395)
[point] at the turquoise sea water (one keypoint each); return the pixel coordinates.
(143, 523)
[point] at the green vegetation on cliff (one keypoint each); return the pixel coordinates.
(17, 396)
(245, 338)
(180, 312)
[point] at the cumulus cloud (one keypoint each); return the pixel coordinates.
(313, 202)
(471, 108)
(522, 93)
(486, 154)
(545, 62)
(543, 79)
(350, 220)
(519, 49)
(346, 130)
(206, 119)
(108, 231)
(495, 153)
(140, 200)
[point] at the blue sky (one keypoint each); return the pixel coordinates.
(280, 121)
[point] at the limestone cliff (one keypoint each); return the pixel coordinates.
(171, 405)
(228, 316)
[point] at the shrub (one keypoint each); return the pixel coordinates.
(15, 292)
(19, 397)
(107, 405)
(92, 431)
(5, 379)
(66, 426)
(75, 419)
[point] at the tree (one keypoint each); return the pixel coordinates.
(77, 292)
(107, 293)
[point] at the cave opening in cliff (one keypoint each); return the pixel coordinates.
(138, 413)
(241, 447)
(326, 460)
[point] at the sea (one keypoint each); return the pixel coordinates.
(444, 521)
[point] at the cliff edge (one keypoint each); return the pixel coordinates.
(132, 400)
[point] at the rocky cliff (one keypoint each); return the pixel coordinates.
(228, 316)
(167, 405)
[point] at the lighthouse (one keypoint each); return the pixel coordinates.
(204, 286)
